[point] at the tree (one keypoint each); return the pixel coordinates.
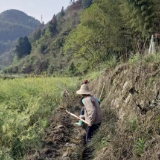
(112, 27)
(72, 69)
(72, 1)
(23, 47)
(54, 20)
(86, 3)
(95, 38)
(140, 17)
(62, 12)
(36, 35)
(53, 25)
(76, 5)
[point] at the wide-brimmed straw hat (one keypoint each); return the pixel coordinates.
(84, 90)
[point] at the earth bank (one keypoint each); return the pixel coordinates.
(130, 100)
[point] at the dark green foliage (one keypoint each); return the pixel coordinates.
(141, 16)
(86, 3)
(62, 12)
(23, 47)
(51, 69)
(43, 47)
(60, 42)
(53, 26)
(49, 42)
(36, 35)
(72, 69)
(17, 150)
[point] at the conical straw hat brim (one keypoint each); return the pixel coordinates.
(83, 92)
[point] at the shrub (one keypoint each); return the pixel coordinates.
(135, 58)
(152, 58)
(133, 124)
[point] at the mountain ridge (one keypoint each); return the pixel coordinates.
(13, 25)
(12, 15)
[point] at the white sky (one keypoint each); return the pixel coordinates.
(35, 8)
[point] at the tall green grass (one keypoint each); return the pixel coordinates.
(25, 105)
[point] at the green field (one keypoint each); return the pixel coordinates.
(25, 105)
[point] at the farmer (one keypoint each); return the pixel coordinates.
(92, 111)
(79, 123)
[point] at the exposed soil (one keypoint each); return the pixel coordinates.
(63, 139)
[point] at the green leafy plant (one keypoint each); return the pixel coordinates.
(140, 146)
(135, 58)
(105, 140)
(133, 124)
(152, 58)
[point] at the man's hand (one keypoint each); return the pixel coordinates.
(81, 117)
(89, 125)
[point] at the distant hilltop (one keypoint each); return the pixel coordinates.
(15, 24)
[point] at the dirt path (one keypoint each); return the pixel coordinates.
(63, 140)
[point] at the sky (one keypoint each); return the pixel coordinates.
(35, 8)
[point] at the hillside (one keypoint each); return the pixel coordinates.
(131, 109)
(130, 100)
(106, 42)
(48, 44)
(14, 24)
(36, 125)
(82, 38)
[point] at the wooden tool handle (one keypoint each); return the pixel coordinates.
(73, 115)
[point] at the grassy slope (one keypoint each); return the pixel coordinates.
(131, 107)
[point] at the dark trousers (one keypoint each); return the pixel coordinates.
(88, 151)
(91, 131)
(82, 111)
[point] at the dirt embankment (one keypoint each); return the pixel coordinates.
(131, 107)
(63, 139)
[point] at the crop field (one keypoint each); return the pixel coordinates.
(25, 106)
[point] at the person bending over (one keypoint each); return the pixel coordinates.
(92, 111)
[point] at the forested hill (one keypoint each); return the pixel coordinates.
(47, 43)
(106, 32)
(14, 24)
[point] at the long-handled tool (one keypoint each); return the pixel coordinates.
(73, 115)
